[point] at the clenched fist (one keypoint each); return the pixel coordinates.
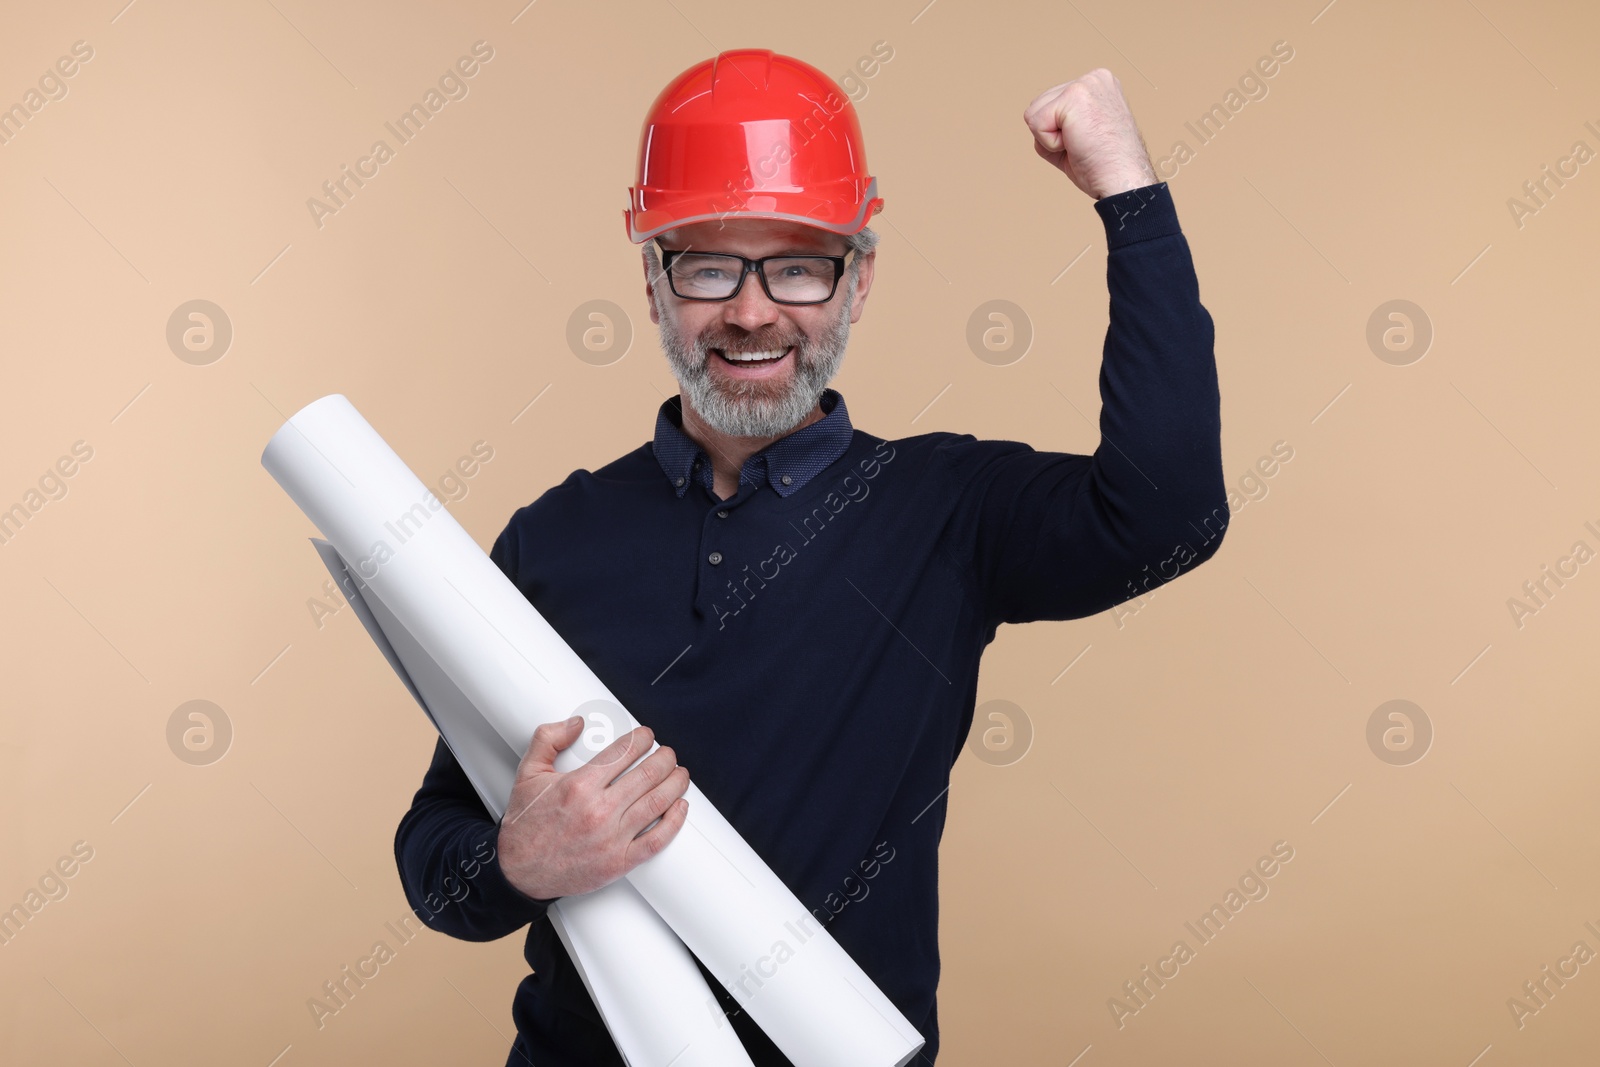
(570, 833)
(1084, 128)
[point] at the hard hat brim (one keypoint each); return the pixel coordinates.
(804, 208)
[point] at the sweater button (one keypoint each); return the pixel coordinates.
(722, 514)
(715, 558)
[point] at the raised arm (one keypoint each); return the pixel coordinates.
(1054, 535)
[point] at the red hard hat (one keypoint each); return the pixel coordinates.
(751, 134)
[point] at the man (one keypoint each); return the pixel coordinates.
(797, 606)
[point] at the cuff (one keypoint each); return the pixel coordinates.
(1138, 215)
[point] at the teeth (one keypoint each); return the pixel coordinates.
(751, 357)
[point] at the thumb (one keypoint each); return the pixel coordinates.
(548, 739)
(1048, 138)
(1046, 118)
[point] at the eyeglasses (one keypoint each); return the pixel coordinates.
(789, 279)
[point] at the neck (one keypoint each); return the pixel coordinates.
(728, 451)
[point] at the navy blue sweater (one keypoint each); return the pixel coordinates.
(810, 646)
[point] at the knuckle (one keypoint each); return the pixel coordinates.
(654, 805)
(653, 771)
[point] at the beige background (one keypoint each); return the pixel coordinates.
(1229, 713)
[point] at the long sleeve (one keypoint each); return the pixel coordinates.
(1055, 535)
(445, 848)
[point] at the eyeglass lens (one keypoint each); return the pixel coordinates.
(708, 275)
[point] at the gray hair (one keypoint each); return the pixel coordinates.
(863, 243)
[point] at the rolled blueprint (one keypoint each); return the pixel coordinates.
(708, 885)
(653, 999)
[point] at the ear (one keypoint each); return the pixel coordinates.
(863, 285)
(649, 290)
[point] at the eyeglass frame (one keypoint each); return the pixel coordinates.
(752, 266)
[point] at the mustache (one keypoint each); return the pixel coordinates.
(750, 343)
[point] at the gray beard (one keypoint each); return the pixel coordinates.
(751, 408)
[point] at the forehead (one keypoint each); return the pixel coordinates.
(755, 237)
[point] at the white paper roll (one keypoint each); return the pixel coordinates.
(710, 887)
(653, 999)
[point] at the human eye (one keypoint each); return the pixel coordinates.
(805, 268)
(702, 268)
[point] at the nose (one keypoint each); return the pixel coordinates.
(750, 309)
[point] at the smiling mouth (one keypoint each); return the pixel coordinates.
(753, 358)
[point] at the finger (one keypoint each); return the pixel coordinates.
(548, 739)
(1042, 101)
(1049, 140)
(655, 802)
(1046, 126)
(618, 756)
(1050, 126)
(658, 836)
(649, 772)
